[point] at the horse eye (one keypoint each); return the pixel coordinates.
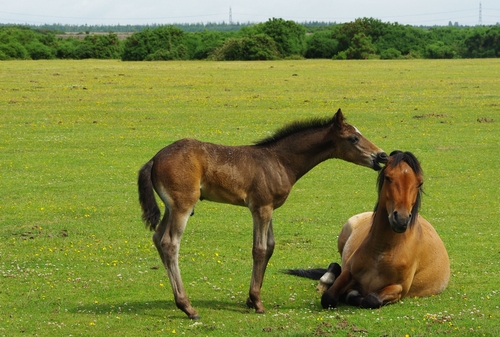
(354, 139)
(387, 179)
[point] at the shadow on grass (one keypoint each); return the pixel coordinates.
(156, 308)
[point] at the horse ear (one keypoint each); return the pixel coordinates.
(338, 119)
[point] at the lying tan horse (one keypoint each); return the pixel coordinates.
(258, 176)
(390, 253)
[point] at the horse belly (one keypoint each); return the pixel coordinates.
(222, 194)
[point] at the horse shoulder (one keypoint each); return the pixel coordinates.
(432, 244)
(433, 270)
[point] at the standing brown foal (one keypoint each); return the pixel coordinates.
(258, 176)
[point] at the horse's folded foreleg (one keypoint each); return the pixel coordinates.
(389, 294)
(330, 298)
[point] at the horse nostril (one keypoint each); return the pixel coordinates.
(382, 157)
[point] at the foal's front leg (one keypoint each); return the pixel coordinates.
(263, 247)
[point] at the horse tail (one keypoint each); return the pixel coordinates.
(324, 275)
(150, 211)
(314, 274)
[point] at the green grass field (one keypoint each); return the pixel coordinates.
(76, 260)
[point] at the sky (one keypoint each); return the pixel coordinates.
(124, 12)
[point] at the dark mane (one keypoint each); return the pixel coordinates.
(295, 127)
(395, 158)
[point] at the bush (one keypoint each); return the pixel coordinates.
(179, 53)
(39, 51)
(160, 43)
(439, 50)
(84, 51)
(256, 47)
(390, 54)
(3, 56)
(104, 46)
(341, 55)
(14, 50)
(288, 36)
(361, 47)
(321, 45)
(66, 48)
(483, 42)
(205, 43)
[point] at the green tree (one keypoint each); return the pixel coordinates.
(14, 50)
(66, 48)
(104, 46)
(165, 42)
(288, 35)
(408, 40)
(483, 42)
(38, 51)
(390, 54)
(247, 48)
(356, 38)
(204, 43)
(321, 45)
(438, 50)
(361, 47)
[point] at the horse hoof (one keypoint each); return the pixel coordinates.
(328, 301)
(371, 301)
(194, 318)
(258, 309)
(250, 303)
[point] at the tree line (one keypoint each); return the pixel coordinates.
(365, 38)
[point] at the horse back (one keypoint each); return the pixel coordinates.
(237, 175)
(353, 233)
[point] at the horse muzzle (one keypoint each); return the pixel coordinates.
(399, 223)
(379, 158)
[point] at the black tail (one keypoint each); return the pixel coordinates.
(150, 211)
(317, 273)
(314, 274)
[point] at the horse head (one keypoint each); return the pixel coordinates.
(352, 146)
(399, 188)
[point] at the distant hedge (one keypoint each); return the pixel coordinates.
(365, 38)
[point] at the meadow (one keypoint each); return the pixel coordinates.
(75, 259)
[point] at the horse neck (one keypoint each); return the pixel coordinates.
(300, 153)
(381, 236)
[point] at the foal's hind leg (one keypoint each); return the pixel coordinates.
(167, 239)
(160, 230)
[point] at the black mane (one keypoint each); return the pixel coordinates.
(397, 157)
(295, 127)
